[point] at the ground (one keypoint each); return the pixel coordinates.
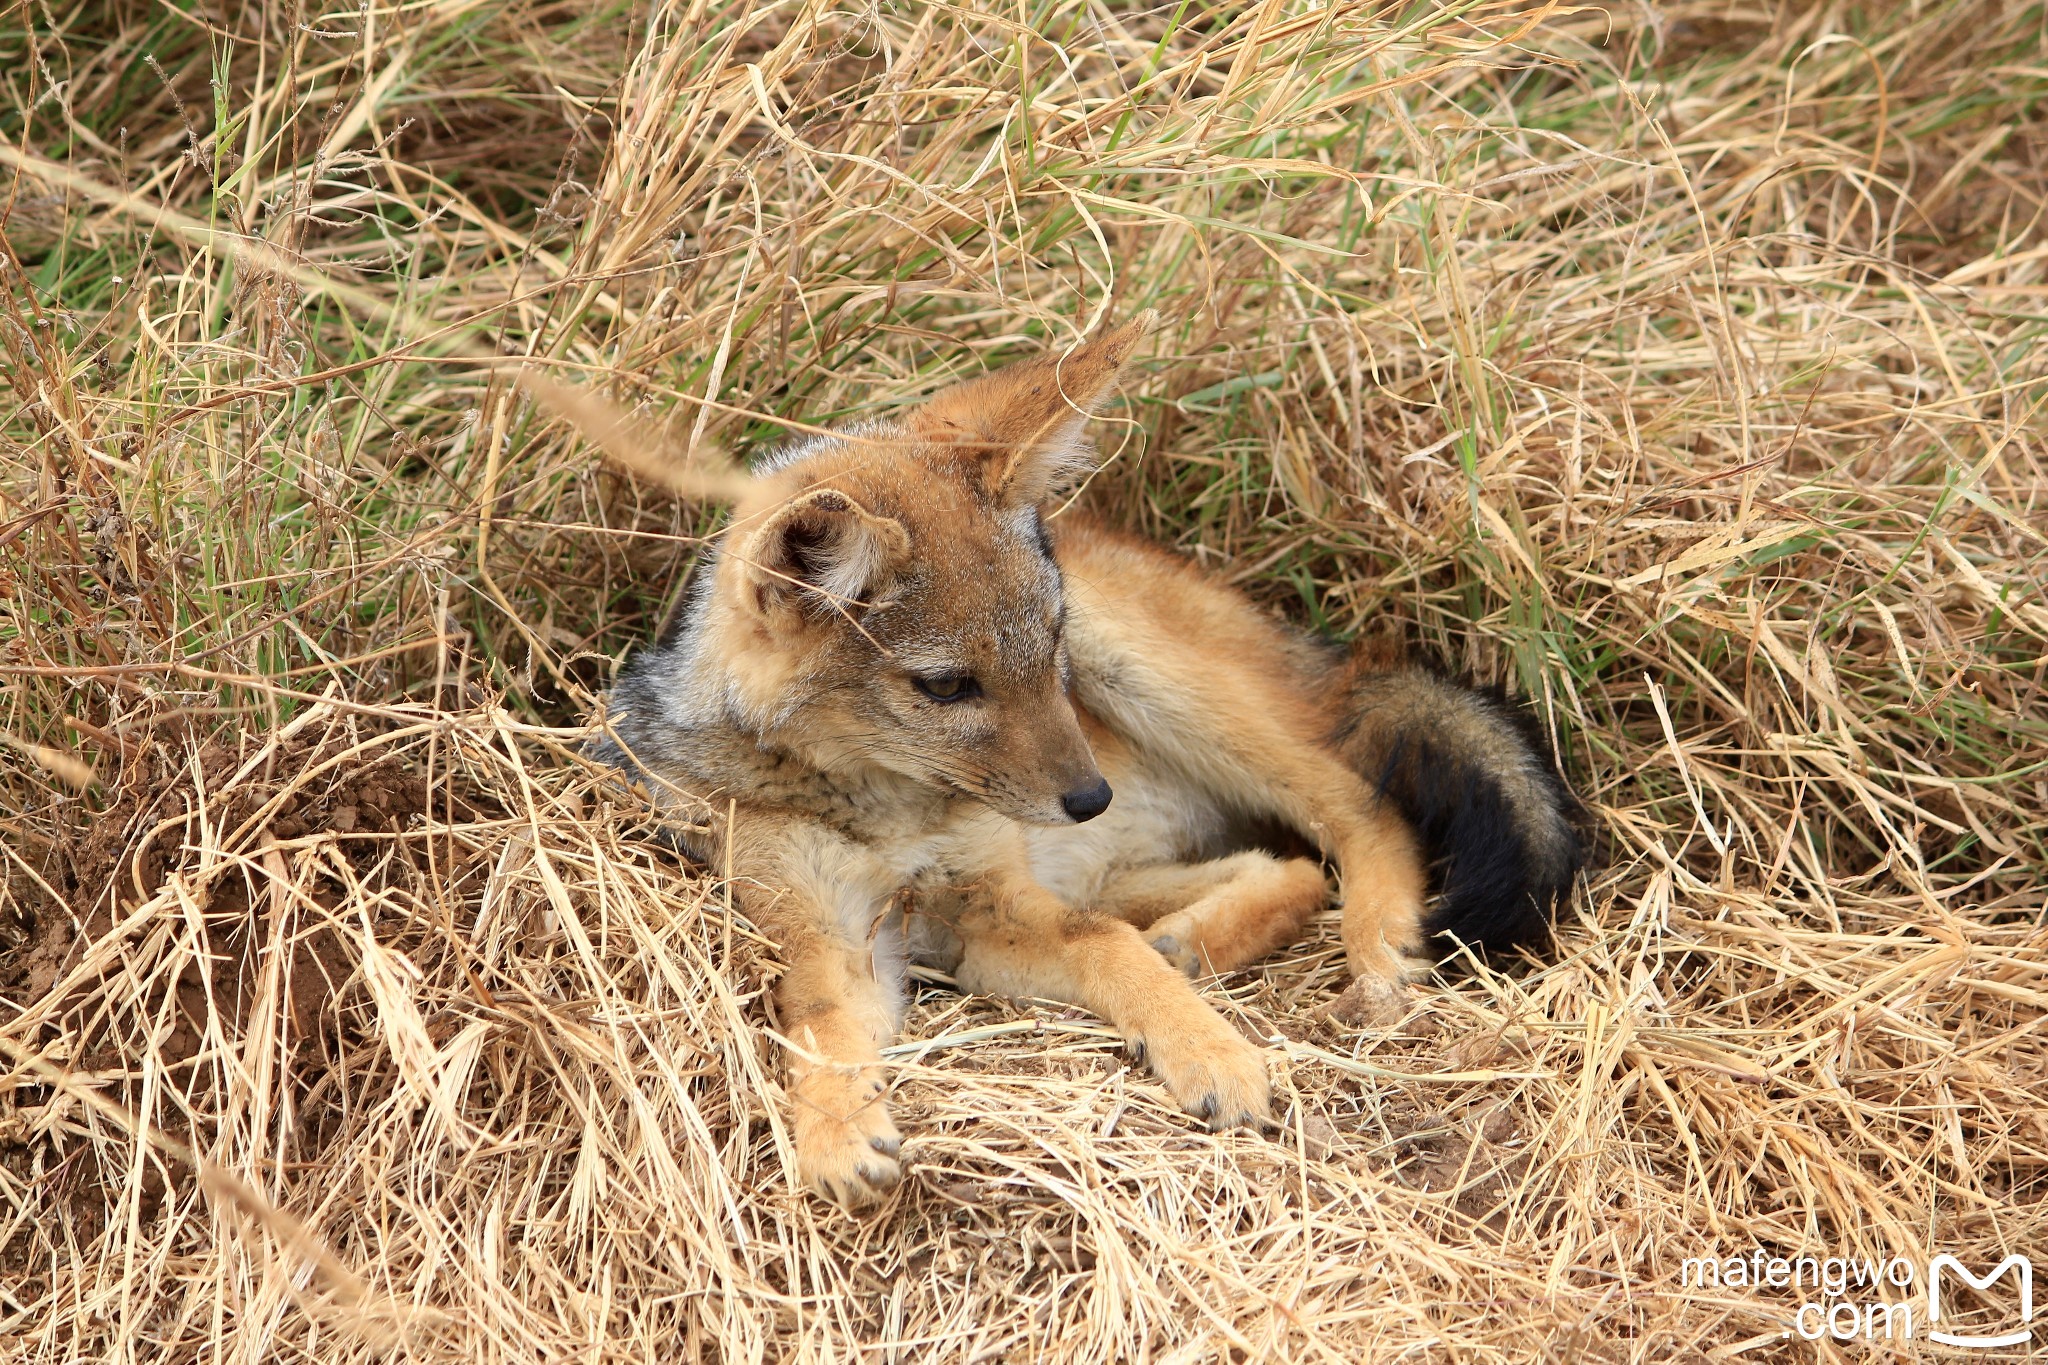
(375, 376)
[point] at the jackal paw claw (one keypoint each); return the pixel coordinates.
(853, 1161)
(1176, 950)
(1221, 1081)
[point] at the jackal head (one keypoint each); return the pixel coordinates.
(888, 596)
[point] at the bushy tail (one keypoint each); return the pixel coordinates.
(1469, 771)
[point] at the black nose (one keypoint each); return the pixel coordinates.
(1087, 802)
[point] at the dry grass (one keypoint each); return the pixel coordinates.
(1680, 364)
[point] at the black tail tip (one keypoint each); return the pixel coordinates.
(1471, 772)
(1502, 831)
(1501, 874)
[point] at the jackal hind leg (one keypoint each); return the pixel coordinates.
(1218, 916)
(1381, 875)
(1384, 880)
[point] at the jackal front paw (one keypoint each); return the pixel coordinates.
(1214, 1074)
(847, 1149)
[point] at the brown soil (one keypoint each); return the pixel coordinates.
(165, 808)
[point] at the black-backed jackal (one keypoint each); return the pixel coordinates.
(915, 689)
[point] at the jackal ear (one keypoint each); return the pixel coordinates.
(821, 551)
(1027, 421)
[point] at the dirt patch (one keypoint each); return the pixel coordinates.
(170, 809)
(1479, 1156)
(243, 858)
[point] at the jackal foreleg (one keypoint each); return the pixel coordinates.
(838, 1003)
(1018, 939)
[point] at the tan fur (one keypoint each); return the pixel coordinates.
(1220, 915)
(1247, 722)
(876, 821)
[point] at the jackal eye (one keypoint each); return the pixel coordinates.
(948, 687)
